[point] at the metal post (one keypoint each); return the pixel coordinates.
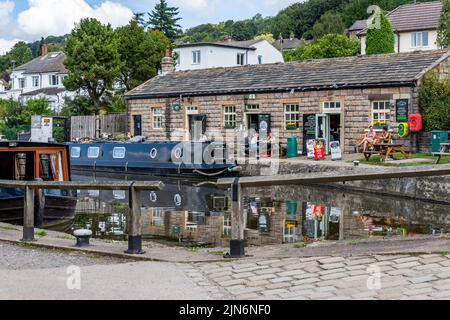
(237, 243)
(134, 224)
(28, 215)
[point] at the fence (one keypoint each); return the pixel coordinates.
(134, 188)
(95, 126)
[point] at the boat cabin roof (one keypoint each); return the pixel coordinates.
(26, 144)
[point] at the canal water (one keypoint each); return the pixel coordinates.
(198, 213)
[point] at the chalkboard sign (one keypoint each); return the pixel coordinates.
(309, 129)
(402, 110)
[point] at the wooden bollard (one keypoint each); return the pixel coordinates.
(134, 224)
(28, 215)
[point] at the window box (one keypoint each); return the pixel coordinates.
(230, 127)
(291, 127)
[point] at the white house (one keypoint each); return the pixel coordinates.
(41, 78)
(204, 55)
(415, 26)
(3, 89)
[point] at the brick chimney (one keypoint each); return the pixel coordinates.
(167, 63)
(44, 50)
(228, 39)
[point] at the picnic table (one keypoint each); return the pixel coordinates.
(387, 150)
(445, 151)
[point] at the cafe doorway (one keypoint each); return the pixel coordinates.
(328, 129)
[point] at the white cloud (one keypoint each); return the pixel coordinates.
(6, 45)
(6, 8)
(57, 17)
(191, 4)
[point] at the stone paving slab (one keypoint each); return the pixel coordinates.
(362, 283)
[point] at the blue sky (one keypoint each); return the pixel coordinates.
(28, 20)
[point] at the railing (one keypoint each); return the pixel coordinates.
(134, 189)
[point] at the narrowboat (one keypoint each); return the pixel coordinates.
(180, 159)
(29, 161)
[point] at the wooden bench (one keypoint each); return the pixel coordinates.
(445, 151)
(387, 150)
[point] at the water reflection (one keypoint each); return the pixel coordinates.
(188, 213)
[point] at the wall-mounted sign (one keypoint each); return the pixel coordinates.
(402, 110)
(176, 106)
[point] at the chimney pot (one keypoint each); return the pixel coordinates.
(167, 63)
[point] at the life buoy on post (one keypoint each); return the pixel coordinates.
(403, 130)
(415, 122)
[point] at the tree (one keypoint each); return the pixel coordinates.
(443, 37)
(380, 36)
(92, 59)
(434, 102)
(329, 46)
(139, 18)
(19, 54)
(329, 23)
(141, 53)
(266, 36)
(79, 106)
(165, 19)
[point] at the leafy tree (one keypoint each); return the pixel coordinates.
(79, 106)
(19, 54)
(92, 59)
(380, 39)
(329, 23)
(443, 38)
(15, 118)
(141, 53)
(165, 19)
(266, 36)
(434, 102)
(329, 46)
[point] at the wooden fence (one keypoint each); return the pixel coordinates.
(95, 126)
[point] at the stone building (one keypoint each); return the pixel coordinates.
(330, 99)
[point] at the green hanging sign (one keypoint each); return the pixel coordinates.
(176, 107)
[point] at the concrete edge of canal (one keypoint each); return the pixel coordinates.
(161, 253)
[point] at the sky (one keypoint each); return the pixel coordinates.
(29, 20)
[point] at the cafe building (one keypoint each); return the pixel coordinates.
(330, 99)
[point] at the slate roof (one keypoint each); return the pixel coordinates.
(52, 62)
(351, 72)
(419, 16)
(415, 17)
(247, 45)
(289, 44)
(358, 25)
(46, 91)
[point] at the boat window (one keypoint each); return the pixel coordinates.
(21, 166)
(119, 153)
(60, 167)
(45, 168)
(153, 153)
(75, 152)
(93, 152)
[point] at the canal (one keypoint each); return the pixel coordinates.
(195, 213)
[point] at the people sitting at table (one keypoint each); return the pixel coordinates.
(369, 140)
(386, 136)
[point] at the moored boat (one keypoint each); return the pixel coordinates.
(28, 161)
(181, 159)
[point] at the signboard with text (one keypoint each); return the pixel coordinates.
(401, 110)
